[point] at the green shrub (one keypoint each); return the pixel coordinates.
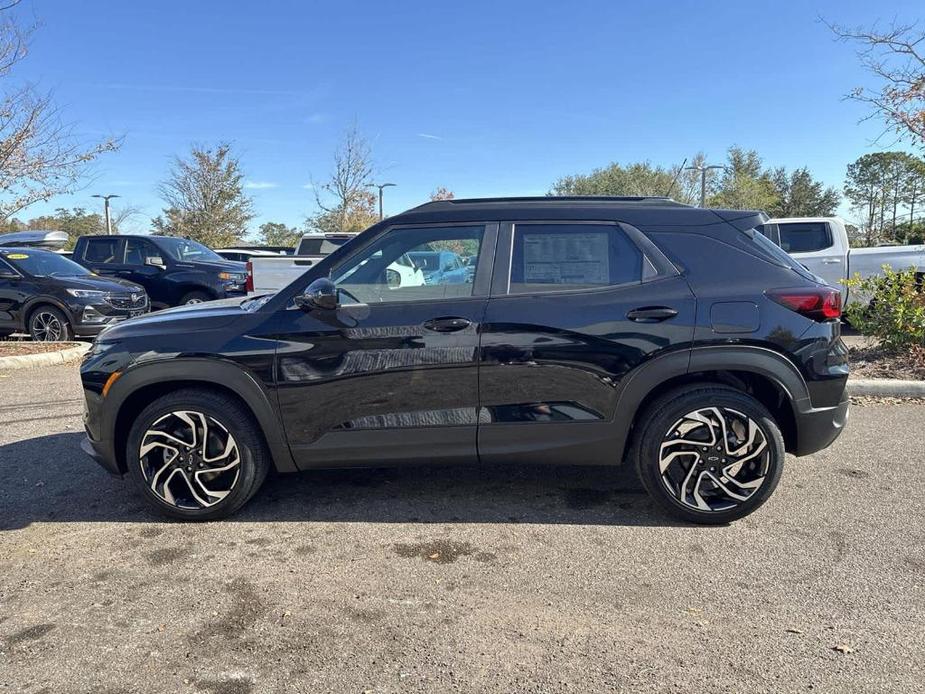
(891, 307)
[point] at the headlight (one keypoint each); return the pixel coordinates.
(86, 293)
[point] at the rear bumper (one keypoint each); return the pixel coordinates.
(818, 427)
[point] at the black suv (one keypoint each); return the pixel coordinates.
(52, 298)
(174, 271)
(592, 331)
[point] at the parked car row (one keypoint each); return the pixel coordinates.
(53, 298)
(105, 280)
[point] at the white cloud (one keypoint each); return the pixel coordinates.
(260, 185)
(309, 186)
(315, 118)
(428, 136)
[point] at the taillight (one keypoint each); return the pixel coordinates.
(249, 282)
(818, 303)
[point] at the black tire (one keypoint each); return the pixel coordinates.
(194, 298)
(231, 417)
(41, 322)
(657, 425)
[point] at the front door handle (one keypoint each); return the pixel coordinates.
(831, 261)
(449, 324)
(651, 314)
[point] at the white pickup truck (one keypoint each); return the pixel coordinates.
(270, 274)
(821, 245)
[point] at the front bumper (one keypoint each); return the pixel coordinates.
(89, 319)
(97, 451)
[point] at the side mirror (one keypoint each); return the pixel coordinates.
(154, 261)
(322, 293)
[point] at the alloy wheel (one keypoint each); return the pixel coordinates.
(713, 459)
(189, 459)
(46, 327)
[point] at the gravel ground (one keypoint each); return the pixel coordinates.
(457, 579)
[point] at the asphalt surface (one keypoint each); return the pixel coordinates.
(457, 579)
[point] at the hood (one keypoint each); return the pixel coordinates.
(102, 284)
(182, 319)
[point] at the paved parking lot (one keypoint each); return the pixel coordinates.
(523, 579)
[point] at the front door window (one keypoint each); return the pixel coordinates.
(412, 265)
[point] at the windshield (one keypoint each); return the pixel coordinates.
(43, 263)
(187, 251)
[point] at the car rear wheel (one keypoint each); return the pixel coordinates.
(196, 455)
(48, 324)
(194, 298)
(709, 454)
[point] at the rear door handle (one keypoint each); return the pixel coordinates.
(831, 261)
(450, 324)
(651, 314)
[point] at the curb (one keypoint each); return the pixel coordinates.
(886, 387)
(71, 350)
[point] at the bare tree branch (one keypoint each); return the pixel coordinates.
(895, 55)
(40, 156)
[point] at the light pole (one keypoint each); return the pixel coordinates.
(380, 186)
(703, 179)
(106, 199)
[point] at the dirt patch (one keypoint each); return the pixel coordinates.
(234, 685)
(167, 555)
(246, 609)
(17, 348)
(851, 472)
(29, 633)
(438, 551)
(877, 362)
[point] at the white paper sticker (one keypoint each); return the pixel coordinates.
(570, 258)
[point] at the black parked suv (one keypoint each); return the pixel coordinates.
(592, 331)
(52, 298)
(174, 271)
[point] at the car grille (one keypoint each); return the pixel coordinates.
(128, 301)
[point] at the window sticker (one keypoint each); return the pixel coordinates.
(569, 258)
(17, 256)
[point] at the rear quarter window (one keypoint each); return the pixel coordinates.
(771, 251)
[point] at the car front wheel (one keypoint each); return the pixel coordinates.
(196, 455)
(48, 324)
(194, 298)
(709, 454)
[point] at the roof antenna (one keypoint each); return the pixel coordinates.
(675, 179)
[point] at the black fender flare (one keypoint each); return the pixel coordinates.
(762, 361)
(223, 374)
(34, 301)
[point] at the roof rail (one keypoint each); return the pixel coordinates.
(547, 199)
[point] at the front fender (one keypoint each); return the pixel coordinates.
(190, 371)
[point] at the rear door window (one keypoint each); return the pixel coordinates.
(804, 237)
(556, 257)
(102, 251)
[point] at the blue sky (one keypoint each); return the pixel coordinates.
(486, 98)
